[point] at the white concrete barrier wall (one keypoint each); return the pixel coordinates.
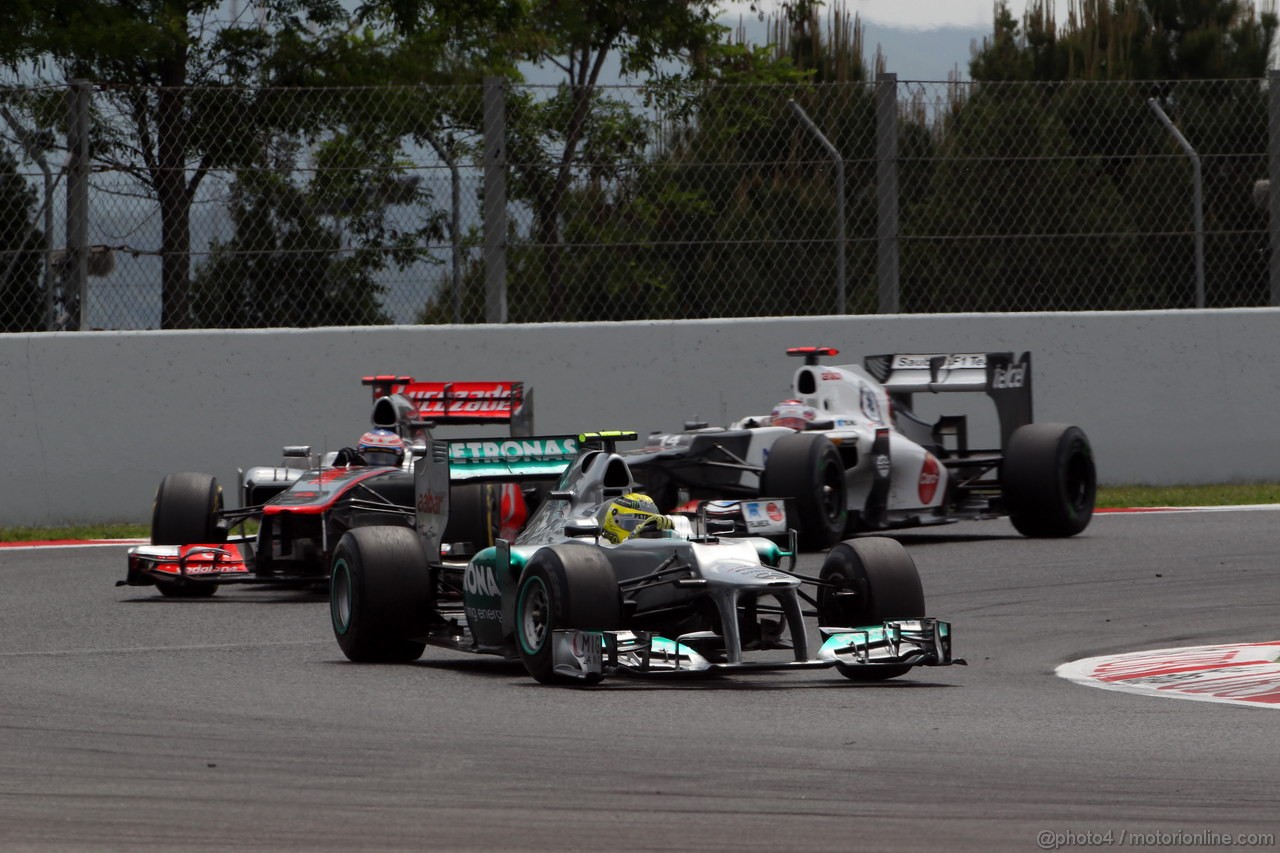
(92, 421)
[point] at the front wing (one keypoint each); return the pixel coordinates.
(213, 563)
(905, 642)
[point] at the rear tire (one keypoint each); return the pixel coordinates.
(187, 510)
(563, 586)
(475, 514)
(380, 595)
(806, 470)
(887, 586)
(1050, 483)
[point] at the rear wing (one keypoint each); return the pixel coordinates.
(446, 462)
(1004, 378)
(510, 460)
(455, 402)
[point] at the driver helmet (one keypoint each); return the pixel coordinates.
(381, 447)
(627, 513)
(793, 414)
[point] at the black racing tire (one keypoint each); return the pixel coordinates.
(807, 471)
(535, 495)
(1050, 482)
(563, 586)
(187, 510)
(380, 595)
(475, 514)
(662, 490)
(190, 589)
(887, 586)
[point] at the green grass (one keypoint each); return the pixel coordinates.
(91, 531)
(1108, 497)
(1212, 495)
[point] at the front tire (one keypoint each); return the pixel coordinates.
(1050, 483)
(806, 469)
(380, 599)
(886, 585)
(187, 510)
(563, 586)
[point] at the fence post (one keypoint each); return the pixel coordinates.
(495, 200)
(1197, 198)
(841, 242)
(1273, 172)
(887, 193)
(75, 269)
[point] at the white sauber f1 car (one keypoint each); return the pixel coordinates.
(573, 607)
(849, 454)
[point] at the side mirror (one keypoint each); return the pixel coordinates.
(578, 528)
(458, 550)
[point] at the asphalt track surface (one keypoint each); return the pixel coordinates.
(132, 722)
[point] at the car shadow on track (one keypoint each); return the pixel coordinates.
(917, 539)
(758, 682)
(273, 597)
(752, 684)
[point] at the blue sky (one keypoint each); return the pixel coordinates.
(918, 14)
(922, 39)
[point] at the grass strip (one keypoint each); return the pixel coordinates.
(1232, 494)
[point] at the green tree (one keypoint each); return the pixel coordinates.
(1058, 188)
(287, 263)
(177, 77)
(578, 129)
(734, 210)
(21, 258)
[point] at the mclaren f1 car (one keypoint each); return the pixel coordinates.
(411, 408)
(291, 515)
(572, 606)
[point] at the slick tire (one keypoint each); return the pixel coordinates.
(380, 595)
(563, 586)
(474, 514)
(886, 585)
(807, 471)
(1050, 483)
(187, 510)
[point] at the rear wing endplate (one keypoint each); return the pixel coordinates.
(1004, 378)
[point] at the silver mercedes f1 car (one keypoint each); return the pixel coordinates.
(850, 453)
(572, 607)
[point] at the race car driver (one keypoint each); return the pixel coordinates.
(793, 414)
(378, 448)
(633, 514)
